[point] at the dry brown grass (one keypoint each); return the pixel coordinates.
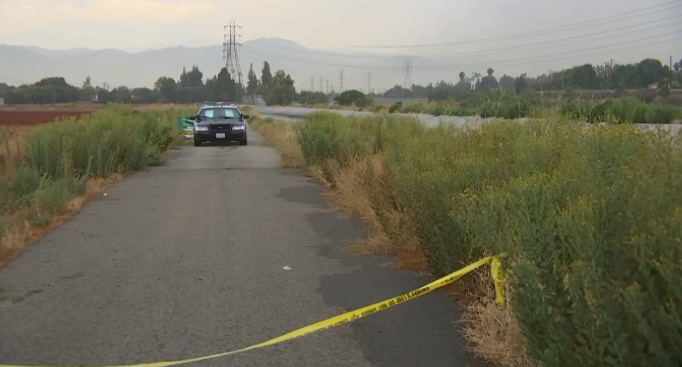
(283, 138)
(492, 332)
(362, 189)
(19, 233)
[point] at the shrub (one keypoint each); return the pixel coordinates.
(53, 196)
(26, 181)
(311, 98)
(395, 107)
(108, 141)
(590, 220)
(413, 108)
(353, 97)
(379, 108)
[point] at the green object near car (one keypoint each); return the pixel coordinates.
(186, 125)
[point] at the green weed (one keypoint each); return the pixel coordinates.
(590, 219)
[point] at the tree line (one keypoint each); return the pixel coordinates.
(646, 74)
(190, 87)
(278, 88)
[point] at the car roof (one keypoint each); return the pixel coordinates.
(219, 105)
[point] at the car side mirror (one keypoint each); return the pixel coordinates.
(197, 117)
(246, 117)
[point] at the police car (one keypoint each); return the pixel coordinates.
(219, 122)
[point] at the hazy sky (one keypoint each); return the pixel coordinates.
(140, 24)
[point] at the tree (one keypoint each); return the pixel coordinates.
(651, 71)
(351, 97)
(87, 93)
(266, 76)
(122, 94)
(167, 88)
(191, 79)
(507, 83)
(281, 91)
(520, 83)
(252, 82)
(488, 82)
(144, 95)
(462, 75)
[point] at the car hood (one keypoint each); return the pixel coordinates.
(218, 121)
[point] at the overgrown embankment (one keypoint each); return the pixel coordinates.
(590, 219)
(48, 171)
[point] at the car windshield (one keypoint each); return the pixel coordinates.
(215, 113)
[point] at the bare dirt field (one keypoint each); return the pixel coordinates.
(28, 115)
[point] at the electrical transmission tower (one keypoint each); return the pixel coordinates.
(341, 81)
(231, 56)
(407, 68)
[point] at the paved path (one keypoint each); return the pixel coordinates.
(186, 260)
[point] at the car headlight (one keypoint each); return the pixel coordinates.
(238, 127)
(201, 128)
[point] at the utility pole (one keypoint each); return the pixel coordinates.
(407, 68)
(670, 78)
(231, 56)
(611, 75)
(320, 83)
(327, 86)
(369, 83)
(312, 84)
(606, 68)
(341, 81)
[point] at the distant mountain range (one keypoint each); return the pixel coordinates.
(25, 64)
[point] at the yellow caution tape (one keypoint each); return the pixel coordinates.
(346, 317)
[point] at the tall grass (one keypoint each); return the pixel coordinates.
(41, 170)
(590, 220)
(500, 104)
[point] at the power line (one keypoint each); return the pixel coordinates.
(506, 62)
(492, 63)
(564, 28)
(258, 54)
(14, 80)
(551, 42)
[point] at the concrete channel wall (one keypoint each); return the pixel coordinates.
(294, 114)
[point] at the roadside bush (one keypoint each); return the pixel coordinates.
(58, 158)
(114, 140)
(353, 97)
(395, 107)
(311, 98)
(26, 181)
(53, 196)
(379, 108)
(590, 221)
(413, 108)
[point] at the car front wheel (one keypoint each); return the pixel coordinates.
(197, 143)
(243, 142)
